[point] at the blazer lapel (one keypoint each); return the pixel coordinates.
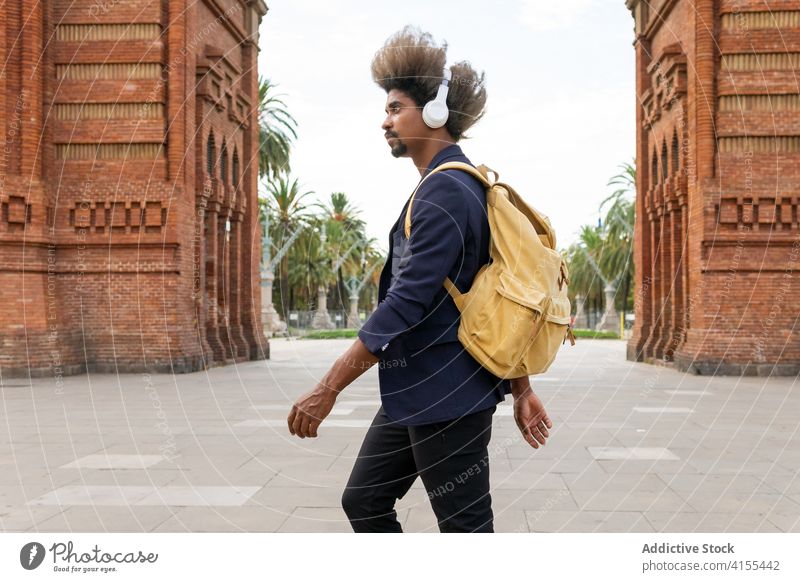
(386, 271)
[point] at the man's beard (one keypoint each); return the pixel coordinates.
(399, 149)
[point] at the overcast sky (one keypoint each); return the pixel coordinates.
(560, 83)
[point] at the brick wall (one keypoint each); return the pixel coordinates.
(717, 248)
(103, 253)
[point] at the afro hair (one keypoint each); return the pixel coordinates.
(412, 62)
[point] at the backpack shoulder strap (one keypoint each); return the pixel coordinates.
(480, 173)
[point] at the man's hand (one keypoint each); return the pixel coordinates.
(310, 410)
(529, 413)
(312, 407)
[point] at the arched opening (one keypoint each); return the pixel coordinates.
(223, 163)
(235, 168)
(664, 166)
(675, 154)
(654, 169)
(211, 155)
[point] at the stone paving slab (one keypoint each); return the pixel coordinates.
(321, 519)
(226, 519)
(421, 520)
(105, 518)
(15, 518)
(607, 498)
(711, 522)
(589, 521)
(634, 448)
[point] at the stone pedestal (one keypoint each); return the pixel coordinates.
(610, 319)
(269, 317)
(353, 321)
(581, 321)
(322, 319)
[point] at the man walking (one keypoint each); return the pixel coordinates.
(435, 421)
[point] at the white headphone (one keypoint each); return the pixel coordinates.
(435, 113)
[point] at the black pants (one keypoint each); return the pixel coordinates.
(452, 459)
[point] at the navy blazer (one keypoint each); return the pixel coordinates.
(425, 373)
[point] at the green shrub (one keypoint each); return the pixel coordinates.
(592, 334)
(331, 334)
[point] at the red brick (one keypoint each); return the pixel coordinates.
(726, 301)
(98, 247)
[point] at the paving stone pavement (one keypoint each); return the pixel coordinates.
(635, 448)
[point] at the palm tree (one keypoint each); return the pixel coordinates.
(346, 236)
(618, 253)
(288, 212)
(374, 257)
(604, 252)
(583, 277)
(276, 128)
(312, 264)
(287, 200)
(340, 209)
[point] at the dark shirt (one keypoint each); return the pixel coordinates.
(425, 374)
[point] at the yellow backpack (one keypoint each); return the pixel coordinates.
(516, 315)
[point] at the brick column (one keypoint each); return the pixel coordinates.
(223, 277)
(211, 274)
(235, 282)
(176, 71)
(676, 331)
(702, 105)
(24, 343)
(251, 228)
(654, 272)
(687, 306)
(657, 288)
(199, 279)
(3, 93)
(30, 35)
(642, 286)
(671, 263)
